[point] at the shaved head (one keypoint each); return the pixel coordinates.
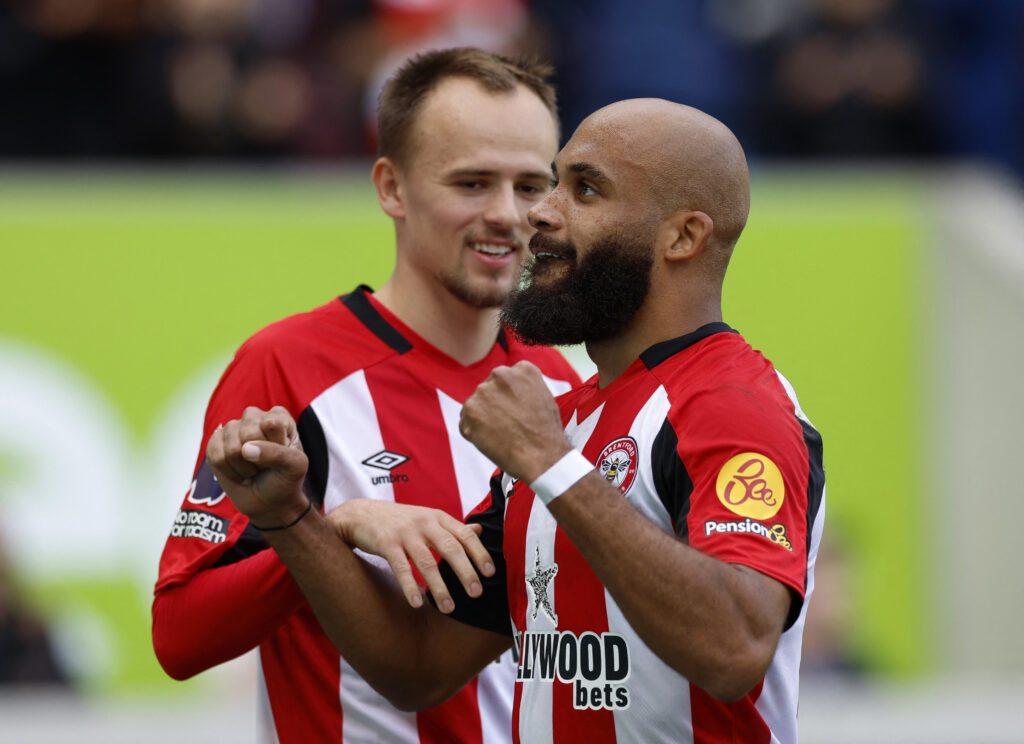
(689, 161)
(650, 197)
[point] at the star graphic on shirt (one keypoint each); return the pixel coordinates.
(538, 583)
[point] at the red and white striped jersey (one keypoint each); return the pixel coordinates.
(377, 409)
(707, 441)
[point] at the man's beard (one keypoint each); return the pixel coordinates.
(595, 299)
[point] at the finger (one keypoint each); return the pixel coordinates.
(215, 454)
(399, 563)
(450, 549)
(215, 446)
(279, 426)
(470, 413)
(262, 454)
(232, 442)
(250, 425)
(293, 439)
(425, 563)
(468, 536)
(231, 462)
(528, 369)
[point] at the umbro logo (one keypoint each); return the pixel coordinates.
(385, 460)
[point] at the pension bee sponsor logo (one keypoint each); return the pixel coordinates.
(597, 666)
(751, 485)
(617, 463)
(200, 524)
(776, 533)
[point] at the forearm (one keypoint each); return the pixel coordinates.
(417, 658)
(715, 623)
(414, 657)
(221, 613)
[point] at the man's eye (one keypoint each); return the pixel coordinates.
(586, 189)
(470, 184)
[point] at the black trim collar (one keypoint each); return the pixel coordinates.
(662, 350)
(359, 303)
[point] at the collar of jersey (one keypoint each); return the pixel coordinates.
(662, 350)
(388, 328)
(635, 377)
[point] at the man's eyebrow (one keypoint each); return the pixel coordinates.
(486, 172)
(464, 172)
(583, 169)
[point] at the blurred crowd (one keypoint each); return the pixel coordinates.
(297, 79)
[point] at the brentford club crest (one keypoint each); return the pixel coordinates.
(618, 463)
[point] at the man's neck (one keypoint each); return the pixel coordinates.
(614, 355)
(466, 334)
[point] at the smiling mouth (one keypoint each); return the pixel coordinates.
(545, 248)
(493, 249)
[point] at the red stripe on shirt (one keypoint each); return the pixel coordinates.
(411, 421)
(456, 719)
(584, 610)
(302, 713)
(516, 701)
(715, 722)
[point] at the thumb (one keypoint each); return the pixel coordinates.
(292, 461)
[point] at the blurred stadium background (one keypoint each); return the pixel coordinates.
(174, 174)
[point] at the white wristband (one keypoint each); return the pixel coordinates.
(561, 476)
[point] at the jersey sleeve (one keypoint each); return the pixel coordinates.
(207, 526)
(754, 467)
(489, 611)
(221, 613)
(216, 572)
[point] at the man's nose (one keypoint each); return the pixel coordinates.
(502, 210)
(543, 216)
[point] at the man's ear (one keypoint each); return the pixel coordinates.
(683, 235)
(387, 181)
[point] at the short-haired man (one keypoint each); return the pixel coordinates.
(376, 382)
(652, 534)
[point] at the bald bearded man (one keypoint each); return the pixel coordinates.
(652, 533)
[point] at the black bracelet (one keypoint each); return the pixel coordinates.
(298, 519)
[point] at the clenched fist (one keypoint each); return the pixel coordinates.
(259, 462)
